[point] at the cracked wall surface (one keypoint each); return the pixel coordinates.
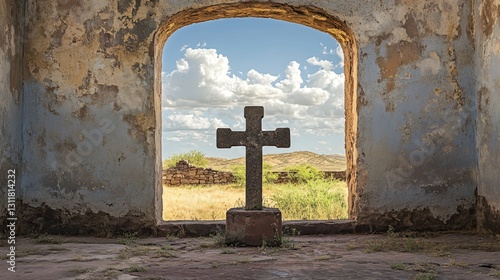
(92, 123)
(89, 116)
(416, 165)
(488, 121)
(10, 97)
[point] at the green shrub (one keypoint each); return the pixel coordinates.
(314, 200)
(305, 173)
(268, 176)
(194, 157)
(239, 173)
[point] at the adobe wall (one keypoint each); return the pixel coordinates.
(488, 121)
(416, 147)
(91, 124)
(10, 101)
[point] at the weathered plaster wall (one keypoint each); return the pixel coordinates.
(488, 121)
(412, 156)
(91, 132)
(89, 119)
(10, 96)
(416, 109)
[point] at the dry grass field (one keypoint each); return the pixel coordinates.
(312, 200)
(317, 200)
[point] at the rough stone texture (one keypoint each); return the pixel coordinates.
(212, 228)
(368, 256)
(44, 219)
(321, 227)
(184, 173)
(254, 227)
(11, 77)
(488, 115)
(253, 138)
(191, 228)
(81, 81)
(488, 215)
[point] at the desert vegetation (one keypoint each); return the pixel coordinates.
(194, 157)
(311, 197)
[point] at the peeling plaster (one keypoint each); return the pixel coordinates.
(430, 65)
(488, 120)
(10, 94)
(415, 70)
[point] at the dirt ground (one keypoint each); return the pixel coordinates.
(457, 255)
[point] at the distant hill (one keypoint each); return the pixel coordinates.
(281, 161)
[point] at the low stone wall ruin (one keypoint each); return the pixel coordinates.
(183, 173)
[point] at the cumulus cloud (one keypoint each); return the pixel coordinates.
(325, 64)
(201, 79)
(337, 51)
(202, 94)
(309, 96)
(191, 122)
(293, 79)
(340, 53)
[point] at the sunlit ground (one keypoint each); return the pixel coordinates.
(317, 200)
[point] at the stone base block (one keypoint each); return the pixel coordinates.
(253, 227)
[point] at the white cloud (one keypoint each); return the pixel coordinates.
(337, 51)
(340, 53)
(325, 64)
(174, 139)
(190, 136)
(325, 50)
(201, 79)
(293, 78)
(309, 96)
(182, 66)
(201, 95)
(327, 80)
(254, 77)
(190, 122)
(279, 122)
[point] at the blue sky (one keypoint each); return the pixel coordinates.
(211, 70)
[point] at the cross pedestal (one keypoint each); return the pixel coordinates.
(253, 225)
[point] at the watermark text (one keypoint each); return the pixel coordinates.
(11, 219)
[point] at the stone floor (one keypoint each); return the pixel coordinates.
(457, 255)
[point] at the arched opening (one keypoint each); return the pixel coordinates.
(307, 16)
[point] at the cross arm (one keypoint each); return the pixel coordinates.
(226, 138)
(279, 138)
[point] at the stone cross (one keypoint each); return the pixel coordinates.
(253, 138)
